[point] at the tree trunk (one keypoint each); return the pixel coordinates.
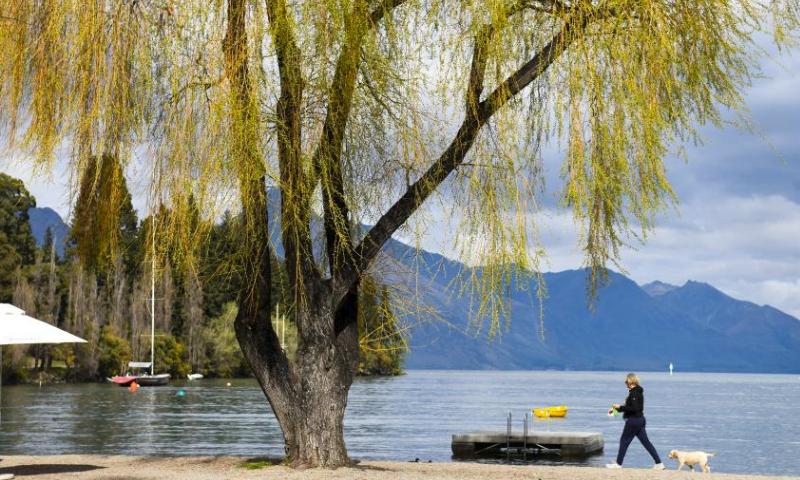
(308, 397)
(314, 426)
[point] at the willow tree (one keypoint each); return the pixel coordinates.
(364, 112)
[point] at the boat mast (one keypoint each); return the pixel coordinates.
(153, 305)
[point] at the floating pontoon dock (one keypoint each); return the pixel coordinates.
(566, 444)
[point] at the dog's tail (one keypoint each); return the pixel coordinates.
(711, 454)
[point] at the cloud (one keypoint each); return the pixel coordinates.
(725, 241)
(745, 246)
(50, 188)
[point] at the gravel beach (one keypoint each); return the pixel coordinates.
(117, 467)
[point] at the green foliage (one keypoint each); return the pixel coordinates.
(615, 83)
(47, 244)
(224, 357)
(369, 110)
(169, 356)
(14, 370)
(115, 353)
(353, 112)
(104, 218)
(17, 245)
(220, 275)
(382, 346)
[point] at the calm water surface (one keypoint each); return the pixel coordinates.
(752, 422)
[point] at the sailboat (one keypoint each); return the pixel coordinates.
(151, 379)
(144, 379)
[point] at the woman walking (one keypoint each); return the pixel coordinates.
(633, 413)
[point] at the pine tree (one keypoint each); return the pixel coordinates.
(48, 242)
(104, 221)
(17, 245)
(193, 320)
(221, 266)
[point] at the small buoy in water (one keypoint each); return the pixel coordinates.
(134, 386)
(228, 384)
(180, 393)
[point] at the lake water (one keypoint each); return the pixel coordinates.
(752, 422)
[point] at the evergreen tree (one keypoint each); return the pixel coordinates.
(47, 244)
(104, 220)
(17, 245)
(221, 266)
(193, 320)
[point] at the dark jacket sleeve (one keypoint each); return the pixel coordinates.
(633, 404)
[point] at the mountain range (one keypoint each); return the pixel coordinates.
(695, 327)
(627, 327)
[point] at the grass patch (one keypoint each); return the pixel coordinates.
(255, 465)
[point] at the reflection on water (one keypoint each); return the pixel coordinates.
(413, 416)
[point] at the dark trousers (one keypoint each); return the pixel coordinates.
(634, 427)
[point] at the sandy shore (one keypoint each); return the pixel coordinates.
(101, 467)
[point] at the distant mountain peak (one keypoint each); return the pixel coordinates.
(658, 287)
(43, 218)
(695, 286)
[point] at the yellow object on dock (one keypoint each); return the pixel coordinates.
(550, 412)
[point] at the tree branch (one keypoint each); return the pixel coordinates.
(295, 197)
(455, 153)
(253, 326)
(327, 158)
(385, 7)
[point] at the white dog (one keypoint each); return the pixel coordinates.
(691, 459)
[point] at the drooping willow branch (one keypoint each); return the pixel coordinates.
(455, 153)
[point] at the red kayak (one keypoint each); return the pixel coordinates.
(123, 380)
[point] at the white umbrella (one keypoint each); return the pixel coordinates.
(16, 328)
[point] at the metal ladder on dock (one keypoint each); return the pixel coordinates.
(524, 449)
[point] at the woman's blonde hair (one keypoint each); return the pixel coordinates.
(632, 379)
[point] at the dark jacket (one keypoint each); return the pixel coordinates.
(634, 404)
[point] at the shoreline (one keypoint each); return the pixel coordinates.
(118, 467)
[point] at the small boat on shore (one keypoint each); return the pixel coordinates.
(194, 376)
(550, 412)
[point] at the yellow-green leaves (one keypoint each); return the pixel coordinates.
(632, 79)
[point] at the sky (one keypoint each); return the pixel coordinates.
(737, 226)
